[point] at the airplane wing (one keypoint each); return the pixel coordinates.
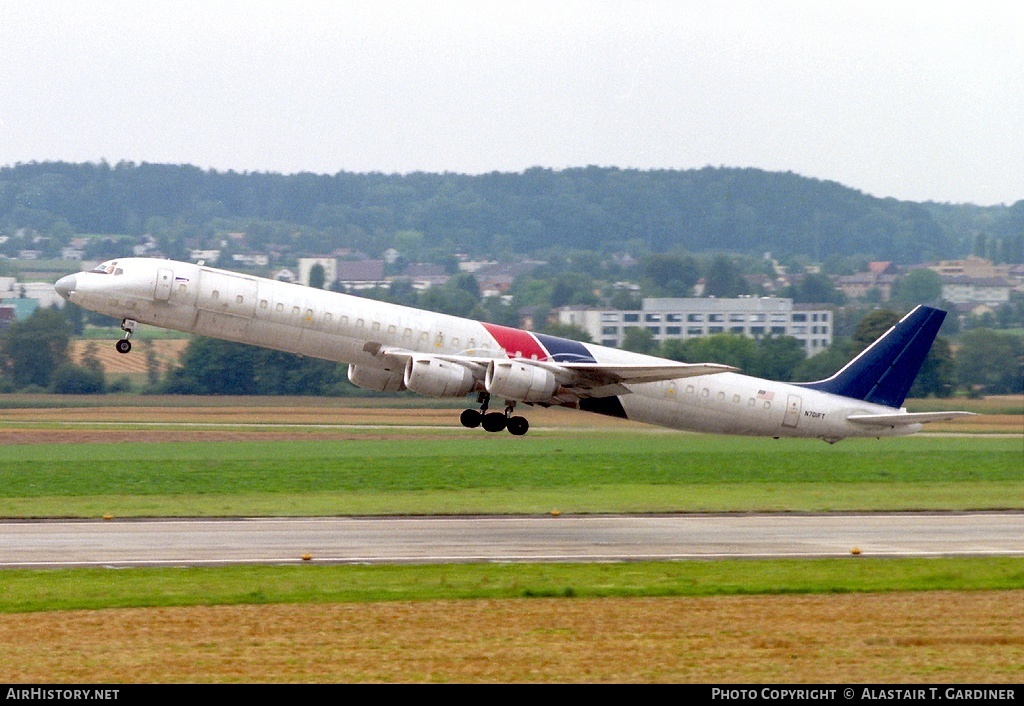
(599, 374)
(902, 418)
(582, 379)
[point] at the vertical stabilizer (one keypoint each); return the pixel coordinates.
(885, 370)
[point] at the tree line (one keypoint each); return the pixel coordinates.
(539, 210)
(34, 358)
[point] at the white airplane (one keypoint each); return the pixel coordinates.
(390, 347)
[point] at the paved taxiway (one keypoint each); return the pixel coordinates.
(50, 543)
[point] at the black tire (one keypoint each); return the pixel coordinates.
(517, 426)
(470, 418)
(123, 346)
(494, 421)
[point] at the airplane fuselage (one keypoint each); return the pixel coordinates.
(349, 329)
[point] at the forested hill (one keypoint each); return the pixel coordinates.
(593, 208)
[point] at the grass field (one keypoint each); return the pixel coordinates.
(425, 472)
(857, 619)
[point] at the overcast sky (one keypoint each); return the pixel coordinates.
(914, 100)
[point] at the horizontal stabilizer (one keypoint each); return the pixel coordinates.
(891, 420)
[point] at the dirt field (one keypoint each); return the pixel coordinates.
(919, 637)
(322, 411)
(168, 352)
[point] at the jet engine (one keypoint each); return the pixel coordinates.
(518, 381)
(438, 378)
(377, 379)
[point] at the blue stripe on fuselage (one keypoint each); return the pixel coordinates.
(562, 350)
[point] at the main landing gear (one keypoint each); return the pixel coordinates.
(128, 326)
(494, 421)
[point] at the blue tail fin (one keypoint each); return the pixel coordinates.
(885, 370)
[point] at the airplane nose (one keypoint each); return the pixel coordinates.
(65, 286)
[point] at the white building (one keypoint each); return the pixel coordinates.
(330, 265)
(964, 289)
(693, 318)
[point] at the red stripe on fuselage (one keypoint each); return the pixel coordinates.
(516, 342)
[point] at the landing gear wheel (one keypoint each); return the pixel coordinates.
(128, 326)
(470, 418)
(494, 421)
(517, 426)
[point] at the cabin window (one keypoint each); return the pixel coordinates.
(408, 333)
(736, 399)
(344, 321)
(279, 307)
(327, 318)
(721, 396)
(264, 304)
(239, 299)
(391, 328)
(705, 392)
(767, 405)
(295, 311)
(215, 294)
(689, 389)
(359, 323)
(750, 402)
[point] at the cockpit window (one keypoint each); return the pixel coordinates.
(108, 268)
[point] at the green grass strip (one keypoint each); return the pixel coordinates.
(621, 498)
(66, 589)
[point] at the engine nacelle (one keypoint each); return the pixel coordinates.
(438, 378)
(377, 379)
(518, 381)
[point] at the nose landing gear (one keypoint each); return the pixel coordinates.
(494, 421)
(128, 326)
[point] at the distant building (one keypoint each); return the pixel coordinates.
(251, 260)
(694, 318)
(858, 285)
(964, 289)
(330, 265)
(204, 255)
(424, 275)
(361, 274)
(19, 308)
(41, 294)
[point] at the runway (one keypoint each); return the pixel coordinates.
(590, 538)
